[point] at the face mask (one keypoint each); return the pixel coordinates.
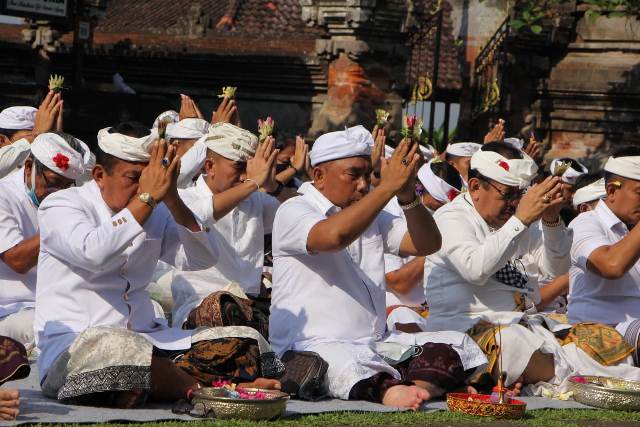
(32, 192)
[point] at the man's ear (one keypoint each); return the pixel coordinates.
(319, 174)
(209, 167)
(98, 174)
(612, 186)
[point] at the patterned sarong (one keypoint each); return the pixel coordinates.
(225, 309)
(14, 364)
(602, 342)
(104, 361)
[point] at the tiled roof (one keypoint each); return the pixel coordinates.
(265, 17)
(422, 54)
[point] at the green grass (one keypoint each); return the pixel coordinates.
(544, 417)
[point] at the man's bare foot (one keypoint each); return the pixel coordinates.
(264, 383)
(405, 396)
(9, 404)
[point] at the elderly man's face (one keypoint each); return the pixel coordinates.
(343, 181)
(119, 184)
(623, 198)
(222, 173)
(495, 202)
(47, 182)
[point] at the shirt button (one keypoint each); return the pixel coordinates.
(126, 296)
(123, 271)
(517, 228)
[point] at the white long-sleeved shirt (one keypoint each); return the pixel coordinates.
(240, 235)
(12, 155)
(95, 264)
(459, 279)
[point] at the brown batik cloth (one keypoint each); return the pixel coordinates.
(225, 309)
(14, 364)
(234, 359)
(603, 343)
(437, 364)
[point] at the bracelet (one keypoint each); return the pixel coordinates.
(411, 205)
(251, 180)
(557, 223)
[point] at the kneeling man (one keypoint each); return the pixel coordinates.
(328, 291)
(100, 339)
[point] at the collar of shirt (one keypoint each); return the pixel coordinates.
(313, 195)
(608, 218)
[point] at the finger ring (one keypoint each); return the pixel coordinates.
(546, 199)
(165, 162)
(405, 162)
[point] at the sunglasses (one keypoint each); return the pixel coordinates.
(510, 196)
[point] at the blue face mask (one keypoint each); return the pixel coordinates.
(32, 192)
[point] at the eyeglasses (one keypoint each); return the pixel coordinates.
(511, 196)
(55, 186)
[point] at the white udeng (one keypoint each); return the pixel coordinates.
(94, 266)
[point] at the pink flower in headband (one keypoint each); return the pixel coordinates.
(61, 161)
(504, 165)
(452, 194)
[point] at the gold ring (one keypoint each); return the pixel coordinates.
(546, 199)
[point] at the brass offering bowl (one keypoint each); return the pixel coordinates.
(211, 402)
(606, 392)
(480, 405)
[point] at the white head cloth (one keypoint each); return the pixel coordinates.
(187, 129)
(570, 175)
(514, 142)
(626, 167)
(594, 191)
(127, 148)
(428, 152)
(437, 187)
(231, 142)
(18, 118)
(355, 141)
(170, 115)
(511, 172)
(57, 155)
(463, 149)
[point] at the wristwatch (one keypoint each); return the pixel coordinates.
(147, 199)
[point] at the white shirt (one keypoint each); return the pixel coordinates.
(591, 297)
(94, 267)
(327, 297)
(460, 286)
(395, 262)
(12, 156)
(240, 235)
(18, 221)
